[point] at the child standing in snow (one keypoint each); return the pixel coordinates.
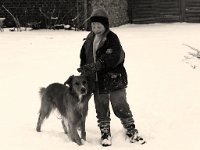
(102, 59)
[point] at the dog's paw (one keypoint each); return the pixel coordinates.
(38, 129)
(83, 135)
(78, 141)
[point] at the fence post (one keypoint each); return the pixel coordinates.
(182, 9)
(130, 10)
(85, 14)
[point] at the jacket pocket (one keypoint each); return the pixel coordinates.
(115, 81)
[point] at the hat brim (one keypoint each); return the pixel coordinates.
(101, 19)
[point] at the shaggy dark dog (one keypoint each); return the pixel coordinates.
(72, 103)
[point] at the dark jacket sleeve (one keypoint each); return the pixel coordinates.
(82, 56)
(113, 53)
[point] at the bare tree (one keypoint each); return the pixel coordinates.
(14, 18)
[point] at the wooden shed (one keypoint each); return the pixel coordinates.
(149, 11)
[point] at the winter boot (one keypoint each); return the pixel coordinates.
(105, 135)
(133, 136)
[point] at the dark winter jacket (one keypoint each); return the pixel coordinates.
(113, 75)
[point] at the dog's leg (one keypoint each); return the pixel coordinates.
(39, 123)
(83, 133)
(74, 134)
(45, 111)
(65, 124)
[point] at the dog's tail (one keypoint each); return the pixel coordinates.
(42, 91)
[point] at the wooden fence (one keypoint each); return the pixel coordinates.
(149, 11)
(192, 11)
(45, 12)
(76, 12)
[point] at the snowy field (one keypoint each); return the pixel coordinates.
(163, 91)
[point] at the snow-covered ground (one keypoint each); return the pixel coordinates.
(163, 91)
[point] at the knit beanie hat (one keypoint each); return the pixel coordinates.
(100, 15)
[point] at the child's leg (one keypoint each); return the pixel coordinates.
(122, 111)
(103, 116)
(102, 108)
(121, 107)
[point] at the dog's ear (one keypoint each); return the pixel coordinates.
(69, 80)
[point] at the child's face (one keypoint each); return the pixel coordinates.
(98, 28)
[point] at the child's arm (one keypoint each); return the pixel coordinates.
(82, 56)
(114, 54)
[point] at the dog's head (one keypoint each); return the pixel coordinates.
(78, 85)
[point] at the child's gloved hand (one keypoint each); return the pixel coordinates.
(90, 68)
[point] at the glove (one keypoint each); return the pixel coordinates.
(90, 68)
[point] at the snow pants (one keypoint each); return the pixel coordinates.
(119, 105)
